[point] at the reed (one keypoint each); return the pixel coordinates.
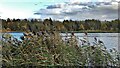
(48, 49)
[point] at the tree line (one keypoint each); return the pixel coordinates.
(90, 25)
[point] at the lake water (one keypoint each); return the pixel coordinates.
(110, 39)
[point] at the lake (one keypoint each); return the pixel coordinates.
(110, 39)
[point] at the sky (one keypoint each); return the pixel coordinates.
(59, 9)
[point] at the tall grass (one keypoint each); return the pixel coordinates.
(48, 49)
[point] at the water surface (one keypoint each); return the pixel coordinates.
(110, 39)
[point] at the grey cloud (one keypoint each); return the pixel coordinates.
(70, 13)
(97, 10)
(53, 6)
(37, 13)
(107, 3)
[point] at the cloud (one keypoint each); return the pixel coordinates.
(81, 10)
(54, 6)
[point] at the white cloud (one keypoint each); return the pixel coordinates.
(104, 0)
(78, 1)
(104, 16)
(108, 0)
(78, 11)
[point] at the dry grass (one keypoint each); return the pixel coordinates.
(51, 50)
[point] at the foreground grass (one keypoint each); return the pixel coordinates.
(50, 50)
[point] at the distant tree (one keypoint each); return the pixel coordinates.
(81, 27)
(25, 20)
(86, 25)
(13, 20)
(4, 24)
(18, 20)
(66, 25)
(103, 26)
(8, 20)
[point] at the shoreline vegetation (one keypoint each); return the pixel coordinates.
(88, 31)
(88, 25)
